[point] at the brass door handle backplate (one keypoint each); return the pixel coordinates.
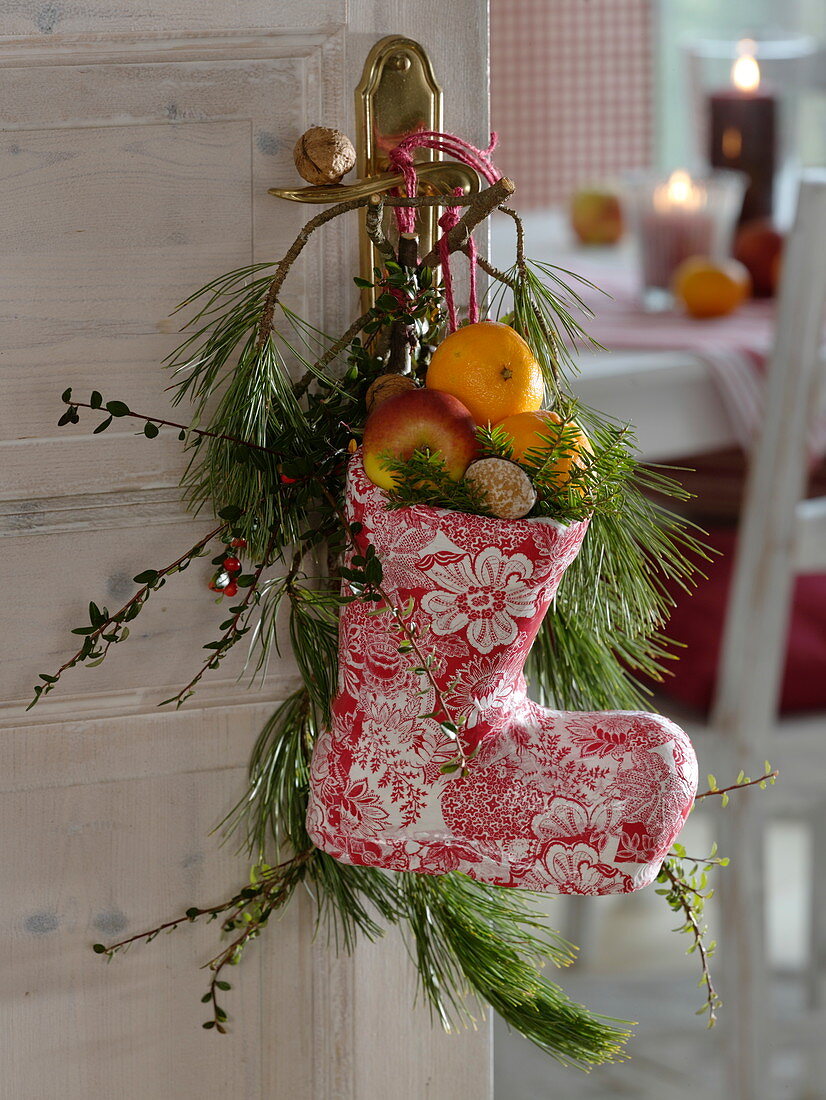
(396, 96)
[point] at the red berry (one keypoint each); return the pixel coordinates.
(231, 589)
(232, 565)
(240, 544)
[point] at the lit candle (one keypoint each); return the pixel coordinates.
(676, 225)
(742, 132)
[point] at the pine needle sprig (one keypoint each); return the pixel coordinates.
(543, 308)
(465, 934)
(271, 815)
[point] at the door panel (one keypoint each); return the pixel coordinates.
(139, 139)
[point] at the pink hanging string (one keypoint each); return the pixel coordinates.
(446, 223)
(401, 158)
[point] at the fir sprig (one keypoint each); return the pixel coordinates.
(424, 479)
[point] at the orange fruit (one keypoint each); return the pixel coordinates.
(711, 288)
(491, 370)
(545, 431)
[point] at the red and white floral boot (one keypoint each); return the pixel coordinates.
(565, 802)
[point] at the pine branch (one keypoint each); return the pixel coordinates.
(467, 934)
(373, 220)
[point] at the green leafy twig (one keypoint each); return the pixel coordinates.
(112, 628)
(152, 423)
(364, 575)
(742, 781)
(686, 893)
(423, 666)
(234, 628)
(249, 909)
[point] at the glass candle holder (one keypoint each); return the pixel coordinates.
(679, 216)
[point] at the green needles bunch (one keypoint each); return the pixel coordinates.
(465, 934)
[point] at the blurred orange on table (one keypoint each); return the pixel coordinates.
(711, 288)
(545, 431)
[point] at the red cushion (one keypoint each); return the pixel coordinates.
(697, 623)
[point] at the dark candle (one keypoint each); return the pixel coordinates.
(743, 137)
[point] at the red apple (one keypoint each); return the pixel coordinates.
(416, 421)
(596, 217)
(759, 246)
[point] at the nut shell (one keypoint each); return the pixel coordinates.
(387, 385)
(506, 487)
(323, 156)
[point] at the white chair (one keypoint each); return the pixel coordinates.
(780, 535)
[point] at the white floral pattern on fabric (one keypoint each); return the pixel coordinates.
(485, 596)
(563, 802)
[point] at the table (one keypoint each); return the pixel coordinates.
(669, 396)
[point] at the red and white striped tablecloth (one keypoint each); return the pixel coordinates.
(736, 348)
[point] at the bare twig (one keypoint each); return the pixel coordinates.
(520, 237)
(402, 333)
(284, 265)
(489, 269)
(480, 207)
(373, 219)
(479, 202)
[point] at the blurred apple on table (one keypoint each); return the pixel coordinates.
(596, 217)
(759, 247)
(419, 420)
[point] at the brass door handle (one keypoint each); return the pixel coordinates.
(444, 176)
(396, 96)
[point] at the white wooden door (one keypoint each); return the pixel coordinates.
(138, 141)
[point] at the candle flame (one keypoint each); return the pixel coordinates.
(679, 187)
(745, 72)
(680, 192)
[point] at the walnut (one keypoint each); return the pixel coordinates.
(506, 488)
(323, 156)
(386, 385)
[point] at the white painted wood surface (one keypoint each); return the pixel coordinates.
(138, 141)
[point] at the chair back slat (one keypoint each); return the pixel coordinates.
(755, 632)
